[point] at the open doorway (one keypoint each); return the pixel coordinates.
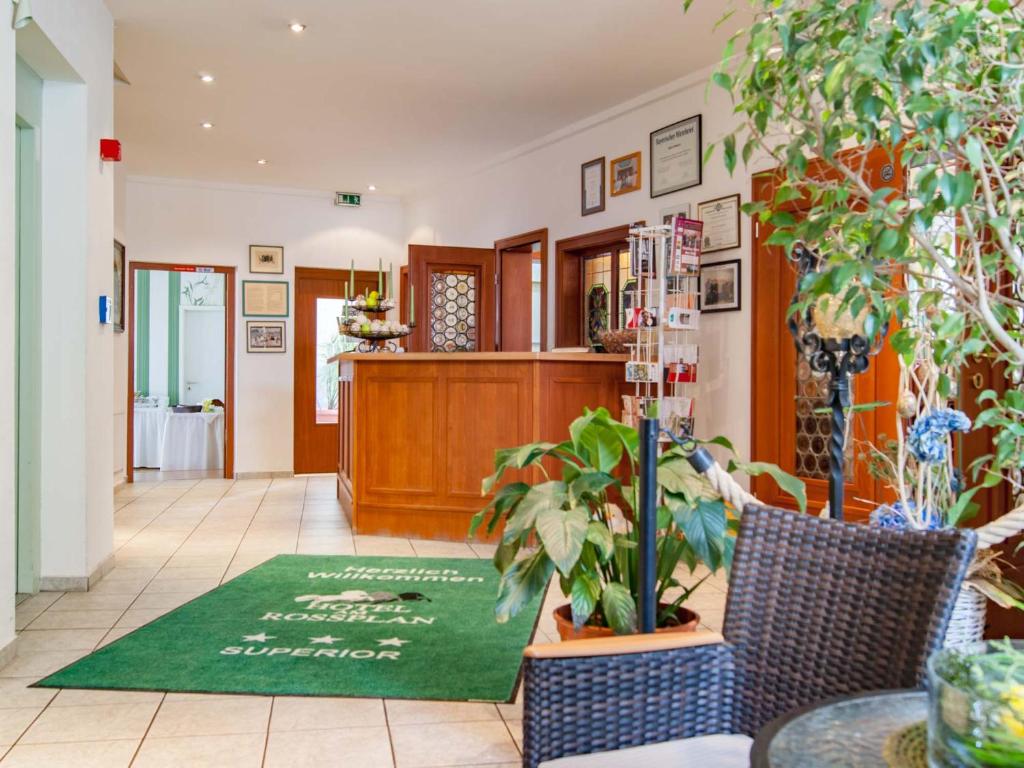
(181, 349)
(521, 264)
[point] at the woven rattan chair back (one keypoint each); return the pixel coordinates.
(821, 608)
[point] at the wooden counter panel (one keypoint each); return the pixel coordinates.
(426, 430)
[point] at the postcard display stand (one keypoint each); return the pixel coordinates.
(665, 260)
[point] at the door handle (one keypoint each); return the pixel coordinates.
(977, 381)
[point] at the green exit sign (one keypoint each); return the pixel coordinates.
(351, 199)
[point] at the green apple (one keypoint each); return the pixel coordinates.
(365, 328)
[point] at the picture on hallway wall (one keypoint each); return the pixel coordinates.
(721, 218)
(720, 287)
(592, 187)
(117, 316)
(625, 174)
(668, 215)
(265, 336)
(264, 298)
(266, 259)
(676, 157)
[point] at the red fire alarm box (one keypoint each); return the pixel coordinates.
(110, 150)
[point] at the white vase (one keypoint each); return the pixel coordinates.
(967, 624)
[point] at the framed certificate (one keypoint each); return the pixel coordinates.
(592, 187)
(676, 157)
(264, 298)
(721, 219)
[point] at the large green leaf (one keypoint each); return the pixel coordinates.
(586, 591)
(619, 608)
(676, 475)
(590, 482)
(704, 525)
(601, 537)
(794, 486)
(550, 495)
(521, 583)
(562, 532)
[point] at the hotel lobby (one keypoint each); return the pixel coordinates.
(479, 385)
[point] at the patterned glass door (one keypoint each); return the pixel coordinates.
(453, 311)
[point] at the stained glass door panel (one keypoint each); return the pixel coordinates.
(453, 311)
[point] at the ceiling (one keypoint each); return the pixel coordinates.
(396, 93)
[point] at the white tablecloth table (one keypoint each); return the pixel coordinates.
(149, 436)
(193, 441)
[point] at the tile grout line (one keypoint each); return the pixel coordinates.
(238, 546)
(152, 720)
(266, 739)
(391, 738)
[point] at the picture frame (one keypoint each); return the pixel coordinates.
(265, 298)
(669, 214)
(721, 286)
(592, 188)
(677, 157)
(117, 313)
(625, 174)
(721, 218)
(266, 259)
(265, 336)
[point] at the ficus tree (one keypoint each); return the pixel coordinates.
(937, 85)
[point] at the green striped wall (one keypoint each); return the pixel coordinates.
(142, 332)
(173, 334)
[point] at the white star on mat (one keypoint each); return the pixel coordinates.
(325, 640)
(262, 637)
(392, 641)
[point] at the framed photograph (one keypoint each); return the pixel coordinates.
(266, 259)
(637, 372)
(721, 219)
(265, 336)
(669, 214)
(118, 295)
(264, 298)
(592, 187)
(641, 261)
(677, 157)
(720, 287)
(625, 174)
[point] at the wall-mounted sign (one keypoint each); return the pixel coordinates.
(349, 199)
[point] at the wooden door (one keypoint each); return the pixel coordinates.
(515, 292)
(786, 427)
(318, 303)
(453, 298)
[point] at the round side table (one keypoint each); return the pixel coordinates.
(848, 731)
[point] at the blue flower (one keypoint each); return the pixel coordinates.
(927, 436)
(896, 517)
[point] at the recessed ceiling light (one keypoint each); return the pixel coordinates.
(207, 78)
(261, 161)
(372, 187)
(296, 27)
(207, 125)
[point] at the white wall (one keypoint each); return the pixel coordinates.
(120, 344)
(195, 223)
(71, 46)
(539, 186)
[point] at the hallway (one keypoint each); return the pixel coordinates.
(177, 539)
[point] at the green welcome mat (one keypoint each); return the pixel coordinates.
(380, 627)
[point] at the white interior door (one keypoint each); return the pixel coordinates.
(202, 354)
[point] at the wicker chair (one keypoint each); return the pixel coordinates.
(816, 608)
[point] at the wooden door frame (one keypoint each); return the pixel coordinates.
(229, 356)
(570, 248)
(510, 243)
(455, 257)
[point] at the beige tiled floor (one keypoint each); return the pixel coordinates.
(178, 538)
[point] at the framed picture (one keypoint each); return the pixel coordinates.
(264, 298)
(668, 214)
(592, 187)
(677, 157)
(640, 373)
(720, 287)
(118, 301)
(266, 259)
(721, 219)
(625, 174)
(265, 336)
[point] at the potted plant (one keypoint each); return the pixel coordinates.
(574, 526)
(935, 249)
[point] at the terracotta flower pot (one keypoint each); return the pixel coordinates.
(688, 621)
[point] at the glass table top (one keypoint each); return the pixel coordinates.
(849, 733)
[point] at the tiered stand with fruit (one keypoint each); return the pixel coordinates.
(377, 334)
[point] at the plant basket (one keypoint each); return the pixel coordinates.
(688, 622)
(967, 624)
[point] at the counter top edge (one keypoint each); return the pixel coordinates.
(479, 357)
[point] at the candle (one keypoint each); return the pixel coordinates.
(380, 277)
(344, 307)
(352, 279)
(412, 303)
(390, 277)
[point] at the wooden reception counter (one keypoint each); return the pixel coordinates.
(418, 431)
